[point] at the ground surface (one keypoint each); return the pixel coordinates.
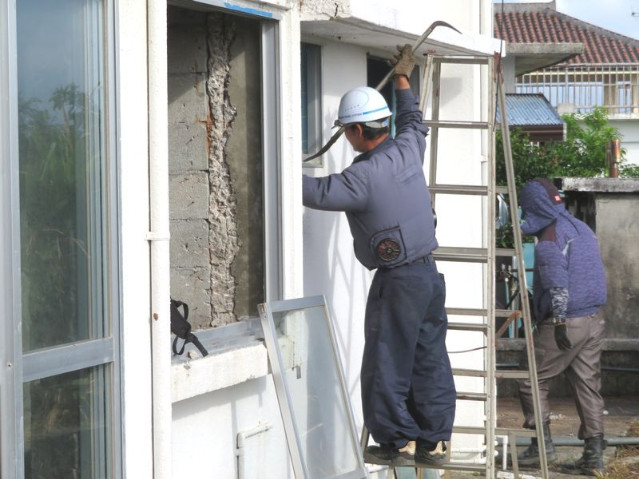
(565, 424)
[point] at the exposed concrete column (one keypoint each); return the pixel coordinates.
(223, 235)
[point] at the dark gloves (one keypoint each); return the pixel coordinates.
(404, 61)
(561, 337)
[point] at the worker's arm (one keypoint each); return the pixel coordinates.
(401, 82)
(410, 132)
(553, 271)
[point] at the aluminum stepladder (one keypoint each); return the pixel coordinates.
(484, 319)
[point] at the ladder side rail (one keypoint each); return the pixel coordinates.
(434, 132)
(490, 278)
(532, 365)
(426, 84)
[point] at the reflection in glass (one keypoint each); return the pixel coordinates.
(67, 426)
(315, 397)
(61, 148)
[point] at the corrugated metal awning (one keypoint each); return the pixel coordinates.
(533, 114)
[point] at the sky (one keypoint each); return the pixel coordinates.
(614, 15)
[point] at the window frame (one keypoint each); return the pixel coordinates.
(311, 73)
(21, 368)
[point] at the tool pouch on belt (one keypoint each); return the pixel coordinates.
(182, 328)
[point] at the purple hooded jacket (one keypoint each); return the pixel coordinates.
(566, 256)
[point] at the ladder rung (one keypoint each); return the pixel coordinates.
(472, 396)
(499, 313)
(468, 255)
(469, 430)
(459, 466)
(466, 311)
(503, 431)
(451, 466)
(462, 61)
(467, 327)
(475, 373)
(502, 189)
(512, 374)
(505, 252)
(499, 431)
(459, 189)
(482, 125)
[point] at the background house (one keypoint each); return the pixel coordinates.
(576, 65)
(150, 150)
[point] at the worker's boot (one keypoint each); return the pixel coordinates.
(530, 457)
(591, 460)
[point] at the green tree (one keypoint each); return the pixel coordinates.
(582, 154)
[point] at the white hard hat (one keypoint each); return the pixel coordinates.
(362, 105)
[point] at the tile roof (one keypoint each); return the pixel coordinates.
(542, 23)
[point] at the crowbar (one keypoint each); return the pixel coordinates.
(382, 84)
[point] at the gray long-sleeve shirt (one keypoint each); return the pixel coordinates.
(384, 194)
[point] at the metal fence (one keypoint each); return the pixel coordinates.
(580, 88)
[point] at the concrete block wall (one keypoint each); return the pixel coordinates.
(188, 164)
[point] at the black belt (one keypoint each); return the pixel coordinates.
(424, 259)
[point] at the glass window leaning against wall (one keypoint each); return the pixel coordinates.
(65, 286)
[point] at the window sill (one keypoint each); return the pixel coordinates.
(236, 354)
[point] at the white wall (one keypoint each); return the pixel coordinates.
(206, 428)
(629, 130)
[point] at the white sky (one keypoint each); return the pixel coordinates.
(614, 15)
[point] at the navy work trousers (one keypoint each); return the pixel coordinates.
(408, 390)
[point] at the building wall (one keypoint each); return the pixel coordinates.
(318, 245)
(210, 428)
(620, 259)
(629, 133)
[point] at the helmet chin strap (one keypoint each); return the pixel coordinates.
(381, 85)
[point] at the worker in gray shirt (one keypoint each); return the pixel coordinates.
(408, 393)
(569, 289)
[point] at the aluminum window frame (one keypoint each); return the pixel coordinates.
(19, 369)
(282, 388)
(271, 159)
(11, 431)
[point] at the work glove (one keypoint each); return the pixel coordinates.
(404, 61)
(561, 337)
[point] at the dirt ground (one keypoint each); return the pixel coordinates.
(621, 412)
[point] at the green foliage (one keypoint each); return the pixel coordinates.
(582, 155)
(52, 166)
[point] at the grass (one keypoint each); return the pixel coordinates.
(623, 466)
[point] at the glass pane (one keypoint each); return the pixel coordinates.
(67, 426)
(315, 397)
(61, 151)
